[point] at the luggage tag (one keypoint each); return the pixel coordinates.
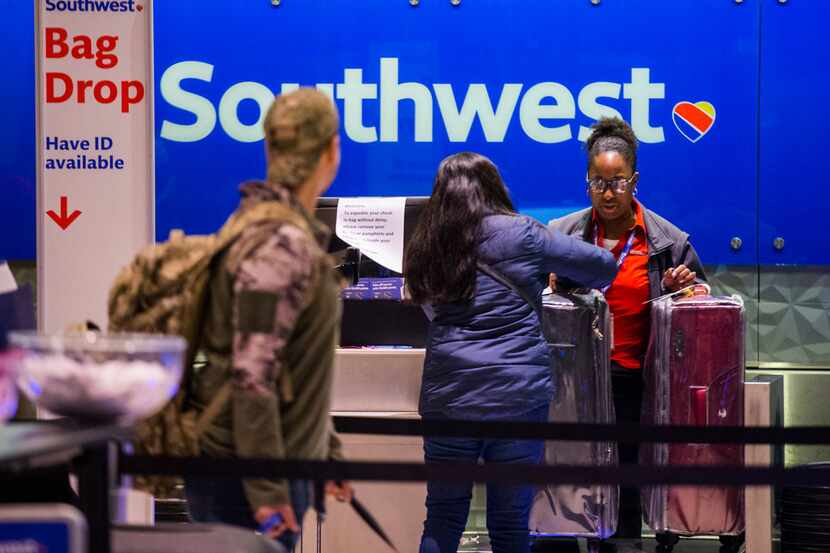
(688, 291)
(611, 331)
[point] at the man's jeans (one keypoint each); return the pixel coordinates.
(223, 500)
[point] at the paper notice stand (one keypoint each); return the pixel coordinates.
(95, 182)
(375, 226)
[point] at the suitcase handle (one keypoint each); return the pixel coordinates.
(699, 411)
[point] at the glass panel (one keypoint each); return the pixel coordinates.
(741, 280)
(795, 260)
(794, 281)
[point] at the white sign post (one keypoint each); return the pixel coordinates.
(95, 187)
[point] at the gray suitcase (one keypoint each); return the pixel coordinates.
(577, 327)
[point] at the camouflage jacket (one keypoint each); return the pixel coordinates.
(272, 322)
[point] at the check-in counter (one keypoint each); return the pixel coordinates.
(386, 383)
(377, 380)
(376, 383)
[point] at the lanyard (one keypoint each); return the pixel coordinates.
(626, 250)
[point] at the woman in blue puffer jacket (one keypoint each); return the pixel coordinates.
(486, 357)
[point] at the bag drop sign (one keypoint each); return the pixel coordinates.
(61, 87)
(95, 152)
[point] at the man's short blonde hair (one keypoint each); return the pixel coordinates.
(298, 127)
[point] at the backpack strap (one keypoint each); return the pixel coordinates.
(214, 407)
(241, 220)
(507, 283)
(225, 238)
(233, 228)
(261, 212)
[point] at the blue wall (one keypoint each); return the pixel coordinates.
(745, 177)
(792, 192)
(17, 131)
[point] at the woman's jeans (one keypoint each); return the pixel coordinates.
(508, 506)
(223, 500)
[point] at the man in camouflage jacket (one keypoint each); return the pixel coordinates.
(271, 325)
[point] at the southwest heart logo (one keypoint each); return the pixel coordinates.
(139, 7)
(693, 120)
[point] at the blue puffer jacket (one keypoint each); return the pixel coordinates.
(486, 358)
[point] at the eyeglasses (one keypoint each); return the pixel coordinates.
(618, 185)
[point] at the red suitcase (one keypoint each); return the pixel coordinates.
(694, 375)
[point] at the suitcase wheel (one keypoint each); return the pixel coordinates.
(731, 544)
(666, 541)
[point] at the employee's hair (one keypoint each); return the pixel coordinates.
(298, 128)
(612, 134)
(440, 264)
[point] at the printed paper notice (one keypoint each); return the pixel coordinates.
(375, 227)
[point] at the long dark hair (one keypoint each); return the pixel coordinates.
(440, 262)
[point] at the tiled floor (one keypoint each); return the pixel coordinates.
(697, 545)
(650, 546)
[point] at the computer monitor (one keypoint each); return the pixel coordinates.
(366, 322)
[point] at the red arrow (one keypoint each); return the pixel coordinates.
(64, 219)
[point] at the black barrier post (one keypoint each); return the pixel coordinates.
(320, 507)
(93, 469)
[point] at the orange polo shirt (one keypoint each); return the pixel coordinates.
(628, 293)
